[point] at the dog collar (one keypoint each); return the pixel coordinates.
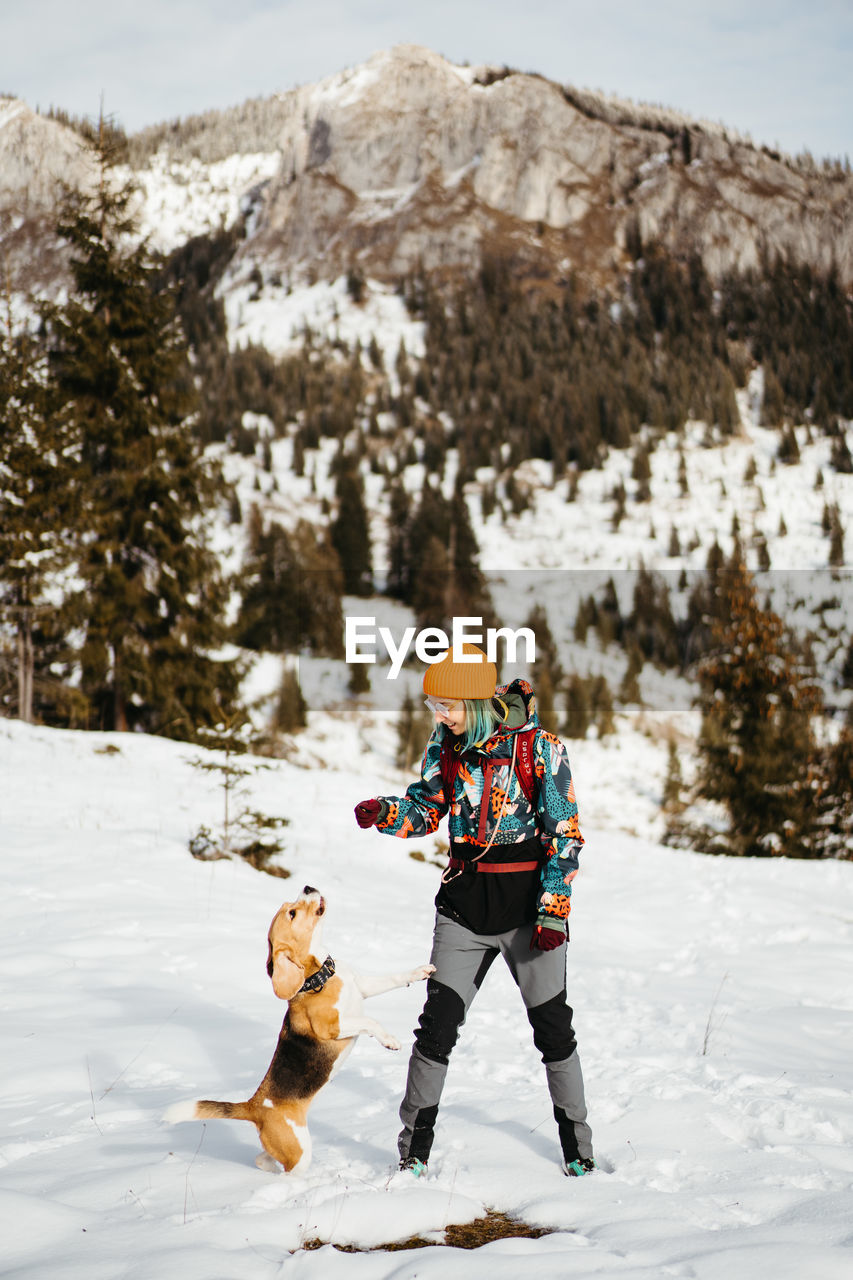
(318, 980)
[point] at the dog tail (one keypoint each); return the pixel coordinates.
(204, 1109)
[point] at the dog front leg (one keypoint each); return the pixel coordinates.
(374, 984)
(358, 1025)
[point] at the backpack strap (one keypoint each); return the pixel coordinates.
(524, 770)
(449, 763)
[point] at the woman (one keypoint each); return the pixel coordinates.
(507, 788)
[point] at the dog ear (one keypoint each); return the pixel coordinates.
(287, 975)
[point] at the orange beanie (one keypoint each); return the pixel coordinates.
(449, 679)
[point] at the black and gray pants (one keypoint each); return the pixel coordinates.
(462, 959)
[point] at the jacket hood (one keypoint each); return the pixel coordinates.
(521, 704)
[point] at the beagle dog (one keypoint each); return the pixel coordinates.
(324, 1017)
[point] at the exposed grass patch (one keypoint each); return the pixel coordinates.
(466, 1235)
(260, 857)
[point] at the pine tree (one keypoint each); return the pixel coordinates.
(319, 587)
(578, 714)
(762, 552)
(468, 593)
(703, 606)
(651, 625)
(413, 730)
(789, 449)
(847, 667)
(297, 464)
(434, 560)
(245, 832)
(291, 591)
(350, 533)
(269, 617)
(836, 540)
(641, 471)
(36, 505)
(619, 498)
(412, 532)
(548, 675)
(547, 658)
(359, 679)
(629, 688)
(756, 746)
(545, 701)
(673, 804)
(601, 705)
(586, 617)
(841, 458)
(429, 592)
(674, 781)
(152, 595)
(608, 622)
(291, 711)
(834, 833)
(773, 400)
(397, 581)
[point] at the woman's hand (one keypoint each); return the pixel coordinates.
(367, 812)
(548, 934)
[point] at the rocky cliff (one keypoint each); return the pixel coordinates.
(38, 157)
(409, 159)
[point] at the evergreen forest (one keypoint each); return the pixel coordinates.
(116, 407)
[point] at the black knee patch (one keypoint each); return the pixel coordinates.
(553, 1033)
(438, 1025)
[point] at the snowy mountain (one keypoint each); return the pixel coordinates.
(409, 157)
(411, 160)
(711, 995)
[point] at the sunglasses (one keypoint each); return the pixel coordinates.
(440, 707)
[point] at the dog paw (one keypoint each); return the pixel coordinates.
(418, 975)
(390, 1042)
(266, 1162)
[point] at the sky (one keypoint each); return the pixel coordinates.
(778, 70)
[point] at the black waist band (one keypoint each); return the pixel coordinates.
(527, 851)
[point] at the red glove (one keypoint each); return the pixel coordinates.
(546, 937)
(367, 813)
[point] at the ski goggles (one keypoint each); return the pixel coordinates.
(441, 706)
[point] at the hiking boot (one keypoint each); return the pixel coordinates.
(578, 1168)
(411, 1164)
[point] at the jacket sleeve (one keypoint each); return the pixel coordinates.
(420, 810)
(557, 815)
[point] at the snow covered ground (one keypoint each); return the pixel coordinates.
(713, 1002)
(274, 315)
(713, 999)
(184, 199)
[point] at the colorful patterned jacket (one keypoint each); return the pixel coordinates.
(553, 816)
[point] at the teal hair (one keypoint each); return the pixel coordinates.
(482, 717)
